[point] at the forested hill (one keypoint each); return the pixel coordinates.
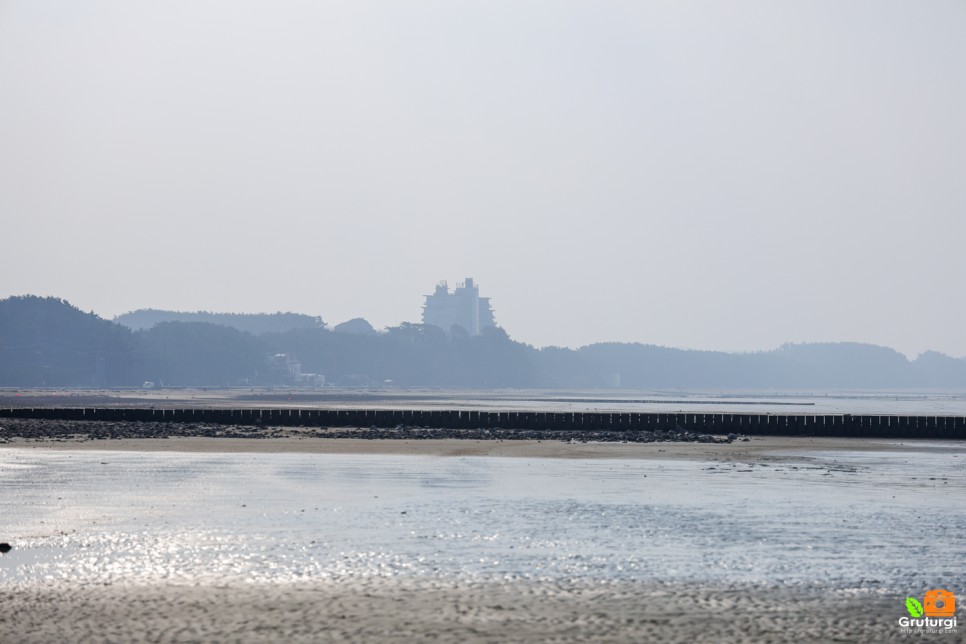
(48, 342)
(256, 323)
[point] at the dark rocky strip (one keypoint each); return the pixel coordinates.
(63, 430)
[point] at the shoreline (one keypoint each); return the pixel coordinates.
(769, 448)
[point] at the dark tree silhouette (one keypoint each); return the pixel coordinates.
(48, 342)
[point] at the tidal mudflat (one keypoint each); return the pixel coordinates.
(756, 401)
(774, 540)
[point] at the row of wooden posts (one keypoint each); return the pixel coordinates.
(944, 427)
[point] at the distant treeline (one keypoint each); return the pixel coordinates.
(256, 323)
(48, 342)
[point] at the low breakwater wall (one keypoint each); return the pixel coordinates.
(871, 426)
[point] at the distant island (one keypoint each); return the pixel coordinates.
(46, 341)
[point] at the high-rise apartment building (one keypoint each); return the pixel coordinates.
(462, 307)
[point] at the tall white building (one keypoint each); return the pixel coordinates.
(463, 307)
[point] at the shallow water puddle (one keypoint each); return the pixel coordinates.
(842, 519)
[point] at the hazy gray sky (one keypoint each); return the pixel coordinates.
(727, 175)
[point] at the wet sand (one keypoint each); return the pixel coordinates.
(407, 609)
(406, 612)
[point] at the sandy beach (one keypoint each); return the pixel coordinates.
(405, 612)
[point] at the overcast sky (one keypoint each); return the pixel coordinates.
(722, 175)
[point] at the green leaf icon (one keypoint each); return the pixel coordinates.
(914, 607)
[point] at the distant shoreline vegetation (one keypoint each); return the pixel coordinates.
(46, 341)
(255, 323)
